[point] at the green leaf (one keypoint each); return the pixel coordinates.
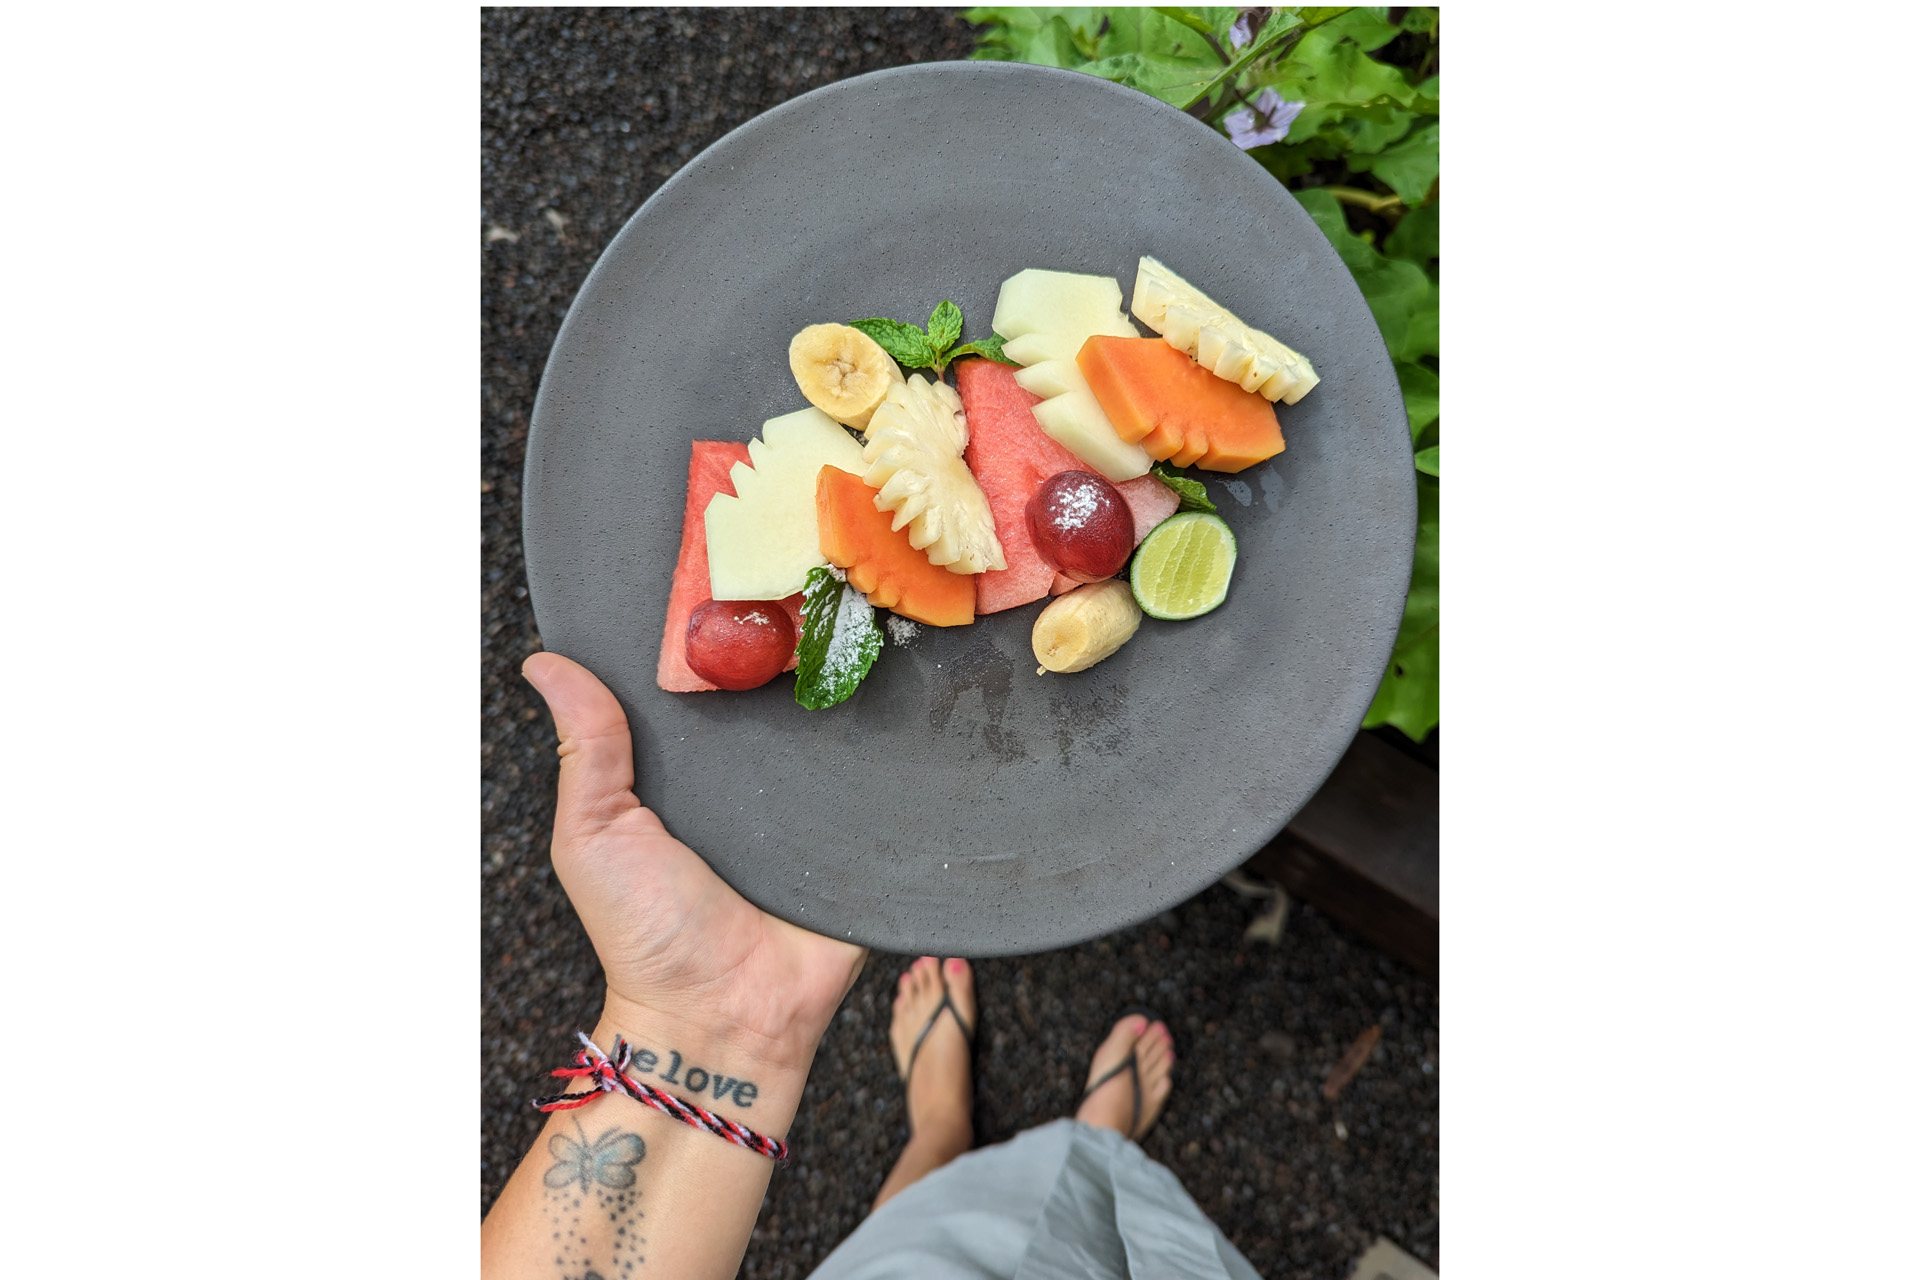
(1404, 300)
(1420, 20)
(943, 326)
(906, 343)
(1417, 237)
(1369, 129)
(1325, 67)
(1410, 166)
(1278, 24)
(838, 641)
(1193, 494)
(1039, 36)
(1368, 27)
(990, 348)
(1420, 387)
(1175, 81)
(1186, 18)
(1409, 693)
(1428, 461)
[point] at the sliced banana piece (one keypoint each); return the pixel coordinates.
(914, 457)
(1085, 626)
(1218, 339)
(842, 372)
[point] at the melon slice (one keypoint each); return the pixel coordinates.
(881, 561)
(706, 475)
(1010, 456)
(1047, 316)
(1176, 409)
(764, 537)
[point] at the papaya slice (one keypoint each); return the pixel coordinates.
(1177, 410)
(880, 561)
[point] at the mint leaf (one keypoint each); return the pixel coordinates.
(838, 641)
(943, 327)
(906, 343)
(1193, 494)
(1428, 460)
(990, 348)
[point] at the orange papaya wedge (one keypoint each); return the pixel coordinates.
(1177, 410)
(880, 561)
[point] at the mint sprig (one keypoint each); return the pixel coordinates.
(838, 641)
(1193, 494)
(932, 347)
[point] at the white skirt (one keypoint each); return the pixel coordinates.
(1065, 1201)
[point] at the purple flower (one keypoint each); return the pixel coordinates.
(1244, 26)
(1267, 120)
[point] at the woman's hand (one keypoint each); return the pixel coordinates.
(723, 1003)
(684, 954)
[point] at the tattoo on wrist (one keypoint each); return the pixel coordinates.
(694, 1080)
(601, 1170)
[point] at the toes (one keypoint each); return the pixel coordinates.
(959, 976)
(1154, 1050)
(1113, 1050)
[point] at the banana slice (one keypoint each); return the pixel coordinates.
(1218, 339)
(1085, 625)
(842, 372)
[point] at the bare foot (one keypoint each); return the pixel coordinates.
(940, 1086)
(1111, 1105)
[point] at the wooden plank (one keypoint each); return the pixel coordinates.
(1366, 850)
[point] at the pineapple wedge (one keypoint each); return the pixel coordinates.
(913, 456)
(1046, 317)
(761, 543)
(1219, 340)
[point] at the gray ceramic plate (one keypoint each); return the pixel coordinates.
(958, 803)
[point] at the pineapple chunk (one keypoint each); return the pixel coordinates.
(915, 444)
(1047, 316)
(1219, 340)
(761, 543)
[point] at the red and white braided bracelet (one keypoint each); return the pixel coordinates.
(609, 1075)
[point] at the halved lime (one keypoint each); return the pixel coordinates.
(1182, 569)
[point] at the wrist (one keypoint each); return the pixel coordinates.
(714, 1066)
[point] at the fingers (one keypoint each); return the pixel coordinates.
(596, 749)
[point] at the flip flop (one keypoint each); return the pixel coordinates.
(946, 1005)
(1131, 1065)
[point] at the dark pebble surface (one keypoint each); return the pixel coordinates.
(583, 115)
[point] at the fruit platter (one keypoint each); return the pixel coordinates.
(1000, 631)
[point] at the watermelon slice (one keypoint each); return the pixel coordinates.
(1010, 455)
(707, 474)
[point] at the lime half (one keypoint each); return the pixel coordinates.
(1181, 571)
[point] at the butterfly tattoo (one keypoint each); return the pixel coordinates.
(608, 1160)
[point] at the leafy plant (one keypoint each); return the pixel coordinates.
(1342, 105)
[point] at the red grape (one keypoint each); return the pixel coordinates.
(739, 644)
(1080, 525)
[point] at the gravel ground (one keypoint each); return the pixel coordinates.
(583, 115)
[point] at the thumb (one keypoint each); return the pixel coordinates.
(596, 749)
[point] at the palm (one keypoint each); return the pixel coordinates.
(672, 936)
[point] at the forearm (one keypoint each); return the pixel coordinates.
(619, 1189)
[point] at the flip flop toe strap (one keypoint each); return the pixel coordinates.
(946, 1005)
(1131, 1066)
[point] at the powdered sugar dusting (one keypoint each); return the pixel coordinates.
(901, 629)
(852, 623)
